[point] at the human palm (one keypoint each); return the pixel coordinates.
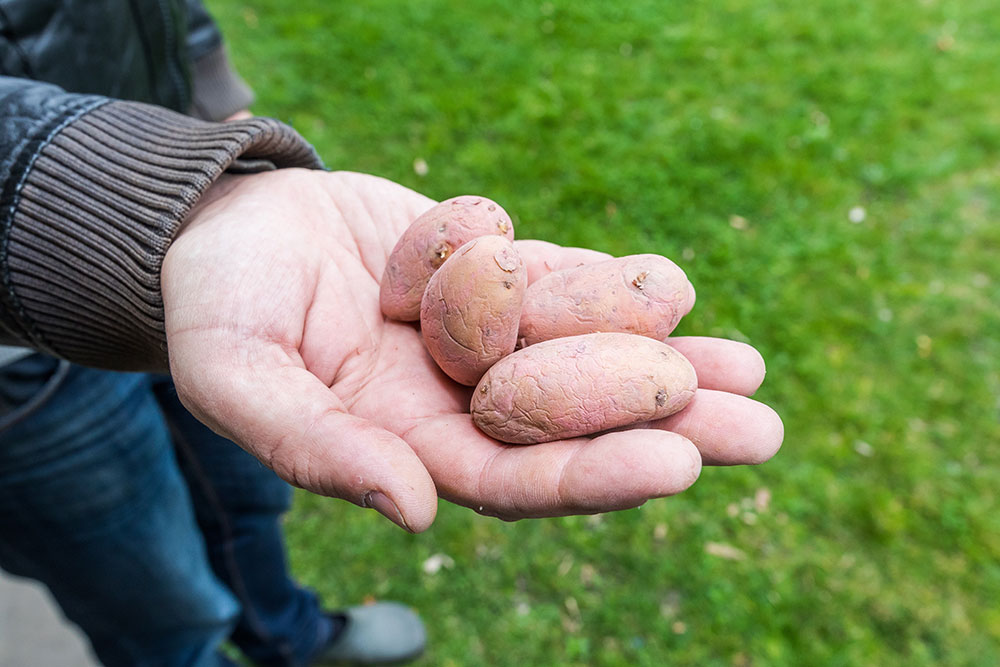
(276, 340)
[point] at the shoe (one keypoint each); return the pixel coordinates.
(378, 634)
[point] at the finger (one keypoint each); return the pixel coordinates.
(580, 476)
(242, 114)
(725, 365)
(727, 429)
(541, 257)
(298, 427)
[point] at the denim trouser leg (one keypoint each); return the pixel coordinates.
(94, 504)
(238, 504)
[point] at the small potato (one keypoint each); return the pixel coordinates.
(428, 242)
(639, 294)
(578, 385)
(470, 310)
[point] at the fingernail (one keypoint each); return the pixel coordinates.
(384, 506)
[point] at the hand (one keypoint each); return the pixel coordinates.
(242, 114)
(276, 340)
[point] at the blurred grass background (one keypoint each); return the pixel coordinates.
(828, 174)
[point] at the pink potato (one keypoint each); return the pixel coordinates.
(638, 294)
(428, 242)
(578, 385)
(471, 307)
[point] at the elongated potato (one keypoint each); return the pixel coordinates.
(639, 294)
(578, 385)
(428, 242)
(471, 307)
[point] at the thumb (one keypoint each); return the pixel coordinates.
(297, 426)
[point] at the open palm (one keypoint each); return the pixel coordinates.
(276, 340)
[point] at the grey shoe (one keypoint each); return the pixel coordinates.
(377, 634)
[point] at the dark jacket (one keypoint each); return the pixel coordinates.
(94, 182)
(142, 50)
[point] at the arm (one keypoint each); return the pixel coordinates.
(280, 345)
(122, 240)
(217, 91)
(94, 191)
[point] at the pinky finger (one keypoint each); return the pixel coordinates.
(542, 258)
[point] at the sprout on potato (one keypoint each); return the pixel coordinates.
(471, 308)
(428, 242)
(567, 387)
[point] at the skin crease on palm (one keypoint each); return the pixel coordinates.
(276, 340)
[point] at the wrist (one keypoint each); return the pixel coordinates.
(218, 190)
(99, 207)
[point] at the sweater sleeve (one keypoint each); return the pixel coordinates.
(93, 192)
(217, 91)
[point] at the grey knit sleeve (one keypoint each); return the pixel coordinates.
(92, 198)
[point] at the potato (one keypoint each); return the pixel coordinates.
(471, 307)
(578, 385)
(428, 242)
(639, 294)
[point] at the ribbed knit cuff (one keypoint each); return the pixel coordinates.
(97, 211)
(217, 90)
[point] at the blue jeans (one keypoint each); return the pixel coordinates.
(157, 537)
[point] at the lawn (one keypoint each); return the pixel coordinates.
(828, 174)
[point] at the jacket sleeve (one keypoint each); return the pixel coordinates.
(93, 191)
(217, 91)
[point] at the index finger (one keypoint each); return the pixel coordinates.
(612, 471)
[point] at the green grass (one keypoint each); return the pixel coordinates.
(734, 136)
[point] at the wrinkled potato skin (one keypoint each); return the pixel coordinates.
(428, 242)
(470, 310)
(579, 385)
(640, 294)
